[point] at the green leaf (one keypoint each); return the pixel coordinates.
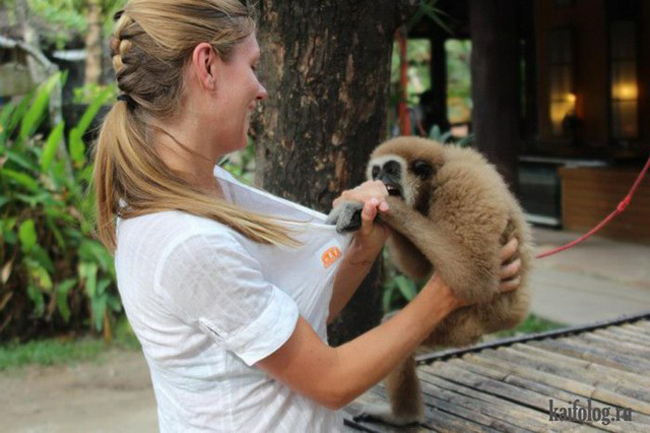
(387, 297)
(42, 277)
(98, 306)
(18, 114)
(27, 235)
(93, 251)
(114, 303)
(62, 289)
(36, 296)
(77, 147)
(21, 160)
(42, 257)
(5, 114)
(51, 224)
(50, 147)
(92, 110)
(88, 272)
(102, 285)
(37, 109)
(22, 179)
(406, 287)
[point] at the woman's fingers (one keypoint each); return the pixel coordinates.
(368, 214)
(363, 193)
(509, 249)
(510, 270)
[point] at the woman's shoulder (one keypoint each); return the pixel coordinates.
(160, 232)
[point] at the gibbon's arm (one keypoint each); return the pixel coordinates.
(333, 377)
(436, 246)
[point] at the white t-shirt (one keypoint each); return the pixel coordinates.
(207, 304)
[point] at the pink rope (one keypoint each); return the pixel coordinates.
(619, 209)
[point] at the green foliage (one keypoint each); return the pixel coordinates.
(90, 92)
(49, 352)
(447, 138)
(66, 19)
(459, 88)
(53, 351)
(242, 163)
(55, 274)
(531, 325)
(398, 289)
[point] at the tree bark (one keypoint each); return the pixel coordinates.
(326, 66)
(496, 92)
(93, 43)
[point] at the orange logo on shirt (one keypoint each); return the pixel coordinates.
(330, 256)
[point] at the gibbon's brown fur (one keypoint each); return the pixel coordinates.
(453, 218)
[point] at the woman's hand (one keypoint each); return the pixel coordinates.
(508, 273)
(372, 235)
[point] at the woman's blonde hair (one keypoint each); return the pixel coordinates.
(152, 42)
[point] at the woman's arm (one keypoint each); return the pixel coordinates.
(366, 245)
(355, 265)
(333, 377)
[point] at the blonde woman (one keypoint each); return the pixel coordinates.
(229, 289)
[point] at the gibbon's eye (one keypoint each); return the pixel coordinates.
(375, 172)
(422, 169)
(392, 168)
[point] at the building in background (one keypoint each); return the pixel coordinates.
(584, 106)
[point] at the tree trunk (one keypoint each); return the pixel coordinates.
(93, 43)
(496, 92)
(326, 66)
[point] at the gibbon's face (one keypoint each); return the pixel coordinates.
(404, 179)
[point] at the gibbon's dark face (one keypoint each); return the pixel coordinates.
(398, 175)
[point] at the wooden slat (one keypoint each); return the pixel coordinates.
(606, 389)
(508, 388)
(625, 391)
(643, 327)
(560, 359)
(559, 396)
(487, 404)
(626, 347)
(603, 357)
(623, 335)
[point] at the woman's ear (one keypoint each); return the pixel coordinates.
(204, 62)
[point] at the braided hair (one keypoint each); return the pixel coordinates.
(152, 42)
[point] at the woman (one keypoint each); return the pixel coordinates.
(230, 304)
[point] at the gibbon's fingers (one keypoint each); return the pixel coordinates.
(509, 249)
(509, 285)
(510, 271)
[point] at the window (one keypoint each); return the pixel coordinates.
(623, 80)
(561, 78)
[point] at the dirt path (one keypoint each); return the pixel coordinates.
(112, 394)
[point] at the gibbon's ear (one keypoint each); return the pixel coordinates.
(204, 65)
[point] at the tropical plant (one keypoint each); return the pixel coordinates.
(55, 275)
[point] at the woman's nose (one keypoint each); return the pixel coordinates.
(261, 93)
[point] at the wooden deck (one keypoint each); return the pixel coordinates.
(506, 385)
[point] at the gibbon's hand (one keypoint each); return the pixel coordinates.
(509, 273)
(372, 235)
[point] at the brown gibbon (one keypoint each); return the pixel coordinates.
(451, 212)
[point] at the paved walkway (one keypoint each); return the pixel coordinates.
(596, 280)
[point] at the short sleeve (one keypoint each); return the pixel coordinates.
(214, 283)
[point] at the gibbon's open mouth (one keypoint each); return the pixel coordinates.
(393, 190)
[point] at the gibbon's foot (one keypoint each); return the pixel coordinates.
(346, 216)
(383, 413)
